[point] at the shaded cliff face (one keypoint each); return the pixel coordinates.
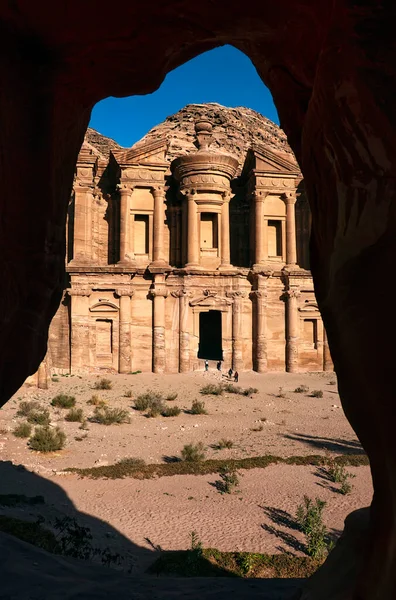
(234, 131)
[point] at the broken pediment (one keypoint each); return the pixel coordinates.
(143, 154)
(262, 159)
(211, 301)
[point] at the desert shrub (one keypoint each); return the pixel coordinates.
(23, 430)
(309, 517)
(146, 400)
(128, 394)
(230, 388)
(198, 408)
(157, 408)
(25, 408)
(103, 384)
(96, 400)
(228, 479)
(249, 391)
(63, 401)
(281, 393)
(46, 439)
(131, 462)
(171, 411)
(171, 396)
(193, 452)
(84, 425)
(134, 372)
(212, 389)
(223, 443)
(39, 417)
(317, 394)
(338, 474)
(75, 415)
(301, 389)
(110, 416)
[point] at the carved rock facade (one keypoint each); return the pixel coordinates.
(175, 261)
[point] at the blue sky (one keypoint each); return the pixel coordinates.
(223, 75)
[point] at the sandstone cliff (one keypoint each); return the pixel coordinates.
(234, 130)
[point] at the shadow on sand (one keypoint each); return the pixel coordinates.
(338, 446)
(30, 572)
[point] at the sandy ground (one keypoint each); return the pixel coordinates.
(137, 517)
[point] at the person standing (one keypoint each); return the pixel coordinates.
(230, 373)
(219, 365)
(206, 365)
(236, 377)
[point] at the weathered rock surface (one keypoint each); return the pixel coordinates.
(234, 131)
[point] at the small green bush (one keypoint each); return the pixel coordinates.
(171, 411)
(338, 474)
(103, 384)
(23, 430)
(110, 416)
(198, 408)
(96, 400)
(63, 401)
(25, 408)
(301, 389)
(309, 517)
(249, 391)
(317, 394)
(39, 417)
(230, 388)
(212, 389)
(46, 439)
(229, 479)
(128, 394)
(171, 396)
(281, 393)
(147, 400)
(223, 443)
(193, 452)
(157, 408)
(75, 415)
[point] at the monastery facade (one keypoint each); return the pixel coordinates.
(171, 264)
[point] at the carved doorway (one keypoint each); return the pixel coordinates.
(210, 335)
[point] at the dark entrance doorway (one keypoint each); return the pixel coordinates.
(210, 338)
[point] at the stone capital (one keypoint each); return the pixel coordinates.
(181, 294)
(289, 197)
(259, 195)
(236, 294)
(293, 293)
(124, 292)
(258, 295)
(159, 292)
(78, 291)
(159, 190)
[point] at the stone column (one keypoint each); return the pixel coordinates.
(158, 226)
(261, 232)
(327, 361)
(225, 231)
(42, 375)
(192, 235)
(126, 227)
(292, 330)
(259, 297)
(124, 343)
(159, 293)
(291, 245)
(82, 235)
(184, 335)
(237, 355)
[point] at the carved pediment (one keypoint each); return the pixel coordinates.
(309, 307)
(105, 306)
(143, 154)
(211, 300)
(262, 159)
